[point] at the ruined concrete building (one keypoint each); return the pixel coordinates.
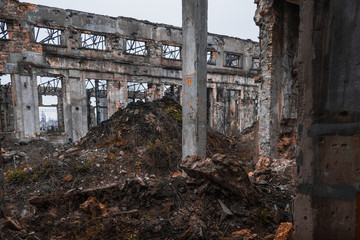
(305, 74)
(93, 64)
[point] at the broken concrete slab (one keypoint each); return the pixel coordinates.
(224, 171)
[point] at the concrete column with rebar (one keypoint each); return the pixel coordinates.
(194, 42)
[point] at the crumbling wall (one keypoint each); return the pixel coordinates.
(310, 78)
(278, 21)
(85, 46)
(328, 199)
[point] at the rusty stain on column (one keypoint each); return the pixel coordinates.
(194, 38)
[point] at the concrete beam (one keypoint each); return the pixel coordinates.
(194, 42)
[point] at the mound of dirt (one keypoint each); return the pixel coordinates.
(150, 135)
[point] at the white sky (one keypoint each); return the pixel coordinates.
(227, 17)
(5, 79)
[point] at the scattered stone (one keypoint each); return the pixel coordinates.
(263, 162)
(225, 209)
(270, 236)
(244, 234)
(176, 175)
(262, 177)
(252, 237)
(73, 149)
(23, 213)
(251, 175)
(24, 142)
(9, 155)
(68, 178)
(94, 207)
(284, 232)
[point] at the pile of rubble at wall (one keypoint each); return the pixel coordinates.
(125, 180)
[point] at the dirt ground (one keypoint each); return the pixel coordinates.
(125, 180)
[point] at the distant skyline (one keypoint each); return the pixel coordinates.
(226, 17)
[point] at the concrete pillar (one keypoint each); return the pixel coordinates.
(26, 108)
(194, 42)
(113, 97)
(159, 93)
(103, 109)
(97, 99)
(75, 108)
(123, 94)
(67, 107)
(60, 110)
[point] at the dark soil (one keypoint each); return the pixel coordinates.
(123, 181)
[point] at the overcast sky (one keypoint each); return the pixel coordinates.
(226, 17)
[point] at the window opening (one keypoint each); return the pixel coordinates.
(3, 31)
(136, 47)
(47, 35)
(232, 60)
(96, 92)
(171, 52)
(93, 41)
(172, 91)
(49, 86)
(137, 91)
(48, 119)
(210, 57)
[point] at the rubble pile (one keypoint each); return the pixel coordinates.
(125, 180)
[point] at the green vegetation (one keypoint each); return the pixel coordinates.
(42, 171)
(174, 112)
(82, 166)
(132, 236)
(264, 216)
(17, 176)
